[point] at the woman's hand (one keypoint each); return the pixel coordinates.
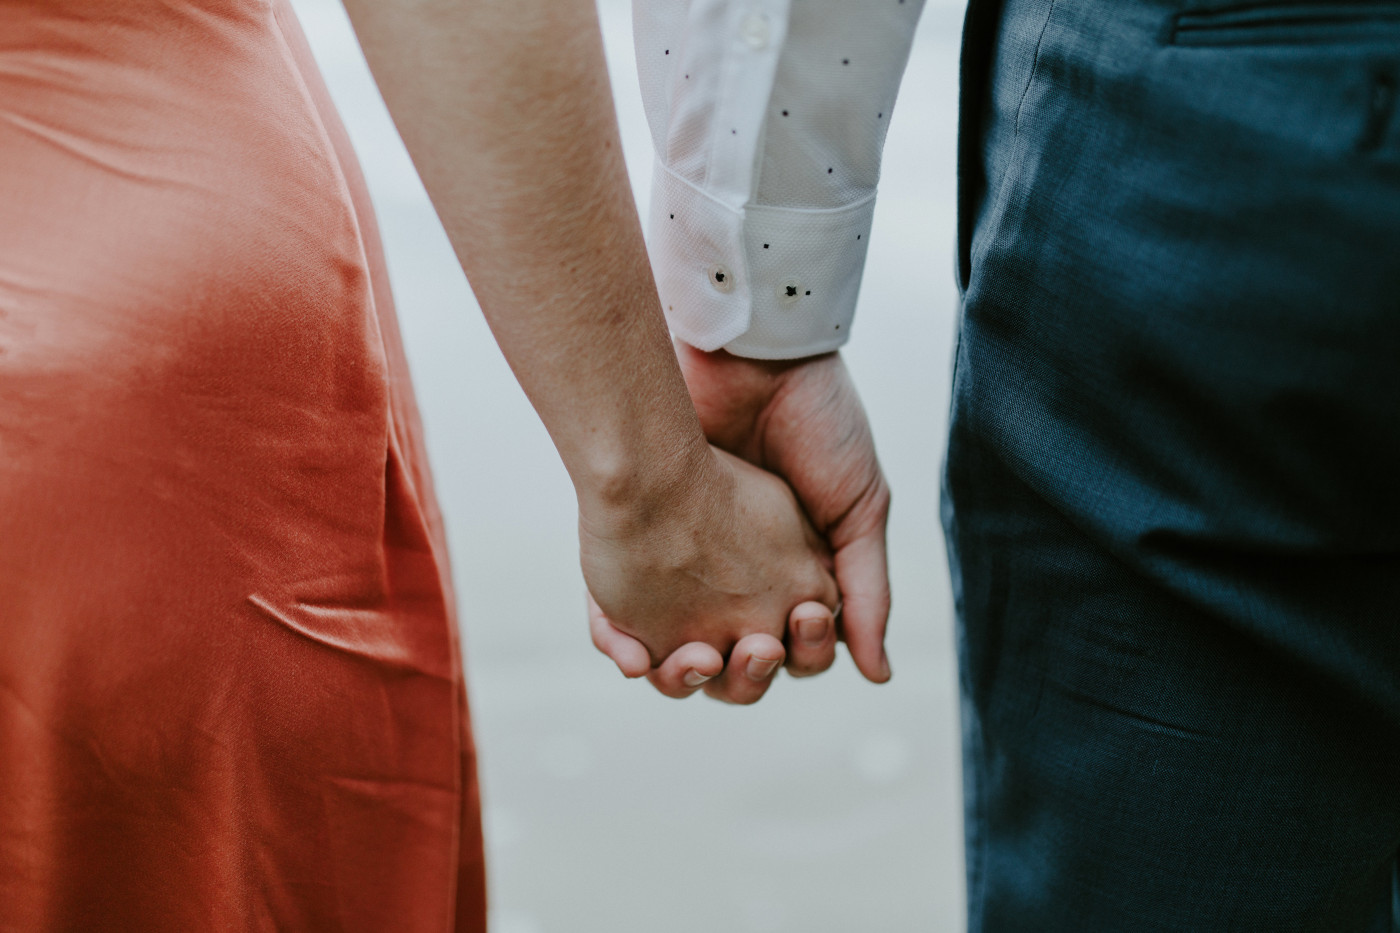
(721, 558)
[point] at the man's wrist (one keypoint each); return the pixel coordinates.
(778, 365)
(731, 390)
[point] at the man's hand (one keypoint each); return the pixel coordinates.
(802, 420)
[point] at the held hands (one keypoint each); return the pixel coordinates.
(803, 421)
(531, 192)
(711, 568)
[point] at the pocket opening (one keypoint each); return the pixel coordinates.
(1277, 23)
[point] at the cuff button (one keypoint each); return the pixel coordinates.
(755, 31)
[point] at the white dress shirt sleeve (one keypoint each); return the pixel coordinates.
(768, 118)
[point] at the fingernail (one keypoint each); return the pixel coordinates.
(761, 669)
(812, 631)
(694, 678)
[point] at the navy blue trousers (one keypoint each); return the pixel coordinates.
(1172, 489)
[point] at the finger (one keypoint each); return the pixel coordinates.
(749, 673)
(630, 655)
(811, 639)
(687, 669)
(862, 571)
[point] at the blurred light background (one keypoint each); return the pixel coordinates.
(833, 805)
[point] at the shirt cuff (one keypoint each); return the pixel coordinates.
(767, 283)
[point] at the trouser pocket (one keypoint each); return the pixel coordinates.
(1288, 24)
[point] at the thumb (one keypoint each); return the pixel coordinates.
(862, 572)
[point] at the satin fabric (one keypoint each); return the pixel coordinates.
(230, 689)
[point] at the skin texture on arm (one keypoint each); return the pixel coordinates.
(506, 109)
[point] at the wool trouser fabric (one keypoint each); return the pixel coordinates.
(1172, 490)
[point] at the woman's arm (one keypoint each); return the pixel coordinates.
(507, 112)
(506, 109)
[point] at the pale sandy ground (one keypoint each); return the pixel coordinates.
(833, 806)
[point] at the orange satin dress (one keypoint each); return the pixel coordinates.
(230, 689)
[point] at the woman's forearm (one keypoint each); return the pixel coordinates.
(506, 109)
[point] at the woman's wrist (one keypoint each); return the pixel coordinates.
(641, 486)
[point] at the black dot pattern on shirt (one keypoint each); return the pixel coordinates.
(791, 290)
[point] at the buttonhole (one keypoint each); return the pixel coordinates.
(720, 279)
